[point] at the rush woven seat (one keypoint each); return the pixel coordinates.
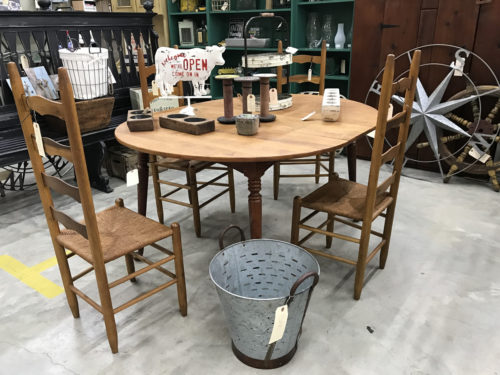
(121, 231)
(342, 200)
(100, 237)
(345, 198)
(224, 180)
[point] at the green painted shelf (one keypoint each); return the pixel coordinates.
(217, 23)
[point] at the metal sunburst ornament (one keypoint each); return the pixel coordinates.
(475, 141)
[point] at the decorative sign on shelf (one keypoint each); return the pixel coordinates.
(174, 65)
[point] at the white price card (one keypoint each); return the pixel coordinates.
(280, 319)
(273, 97)
(309, 74)
(155, 89)
(38, 139)
(132, 177)
(251, 103)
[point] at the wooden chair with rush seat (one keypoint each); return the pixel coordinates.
(101, 237)
(321, 162)
(191, 168)
(345, 201)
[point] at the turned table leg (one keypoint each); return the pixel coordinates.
(253, 171)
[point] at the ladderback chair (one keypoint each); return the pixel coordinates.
(191, 168)
(345, 201)
(323, 165)
(101, 237)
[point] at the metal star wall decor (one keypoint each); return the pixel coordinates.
(428, 114)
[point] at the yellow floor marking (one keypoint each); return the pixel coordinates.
(31, 275)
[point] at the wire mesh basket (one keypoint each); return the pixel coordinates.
(88, 71)
(221, 5)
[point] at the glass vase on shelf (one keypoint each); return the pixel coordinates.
(349, 36)
(327, 30)
(313, 31)
(340, 36)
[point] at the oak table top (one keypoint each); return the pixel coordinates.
(286, 138)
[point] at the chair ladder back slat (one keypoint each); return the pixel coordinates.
(45, 106)
(306, 59)
(390, 154)
(55, 148)
(402, 85)
(62, 187)
(69, 222)
(396, 120)
(301, 78)
(386, 184)
(143, 78)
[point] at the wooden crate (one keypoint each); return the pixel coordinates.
(120, 160)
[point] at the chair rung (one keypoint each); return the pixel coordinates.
(222, 184)
(304, 175)
(162, 249)
(346, 222)
(205, 184)
(150, 262)
(83, 273)
(375, 251)
(176, 202)
(121, 280)
(214, 197)
(144, 296)
(86, 298)
(331, 256)
(326, 233)
(311, 215)
(309, 235)
(180, 186)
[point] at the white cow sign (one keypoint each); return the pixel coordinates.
(196, 64)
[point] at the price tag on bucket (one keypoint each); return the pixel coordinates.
(251, 103)
(280, 319)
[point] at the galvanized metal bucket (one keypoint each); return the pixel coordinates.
(254, 278)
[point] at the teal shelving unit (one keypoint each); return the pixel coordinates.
(296, 15)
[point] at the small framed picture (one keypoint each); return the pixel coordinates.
(28, 87)
(236, 27)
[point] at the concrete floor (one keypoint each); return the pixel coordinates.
(433, 310)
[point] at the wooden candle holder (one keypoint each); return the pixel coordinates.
(187, 124)
(139, 120)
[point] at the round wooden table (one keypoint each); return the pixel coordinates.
(286, 138)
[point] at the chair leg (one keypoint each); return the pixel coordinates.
(129, 261)
(65, 272)
(276, 179)
(389, 218)
(361, 263)
(179, 268)
(317, 169)
(193, 198)
(157, 188)
(107, 307)
(297, 204)
(329, 228)
(230, 180)
(331, 165)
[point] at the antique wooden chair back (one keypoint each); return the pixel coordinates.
(144, 73)
(343, 198)
(124, 231)
(400, 121)
(302, 78)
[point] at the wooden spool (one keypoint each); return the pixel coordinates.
(265, 116)
(227, 84)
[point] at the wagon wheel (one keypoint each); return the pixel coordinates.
(485, 137)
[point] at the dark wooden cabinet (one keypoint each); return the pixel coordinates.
(395, 26)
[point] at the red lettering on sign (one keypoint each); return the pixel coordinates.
(204, 64)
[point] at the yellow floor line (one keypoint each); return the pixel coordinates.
(31, 275)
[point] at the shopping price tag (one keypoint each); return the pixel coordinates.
(309, 74)
(342, 66)
(155, 89)
(390, 111)
(280, 319)
(224, 6)
(291, 50)
(481, 156)
(38, 139)
(132, 177)
(273, 97)
(251, 103)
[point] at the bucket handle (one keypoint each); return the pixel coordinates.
(223, 233)
(299, 281)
